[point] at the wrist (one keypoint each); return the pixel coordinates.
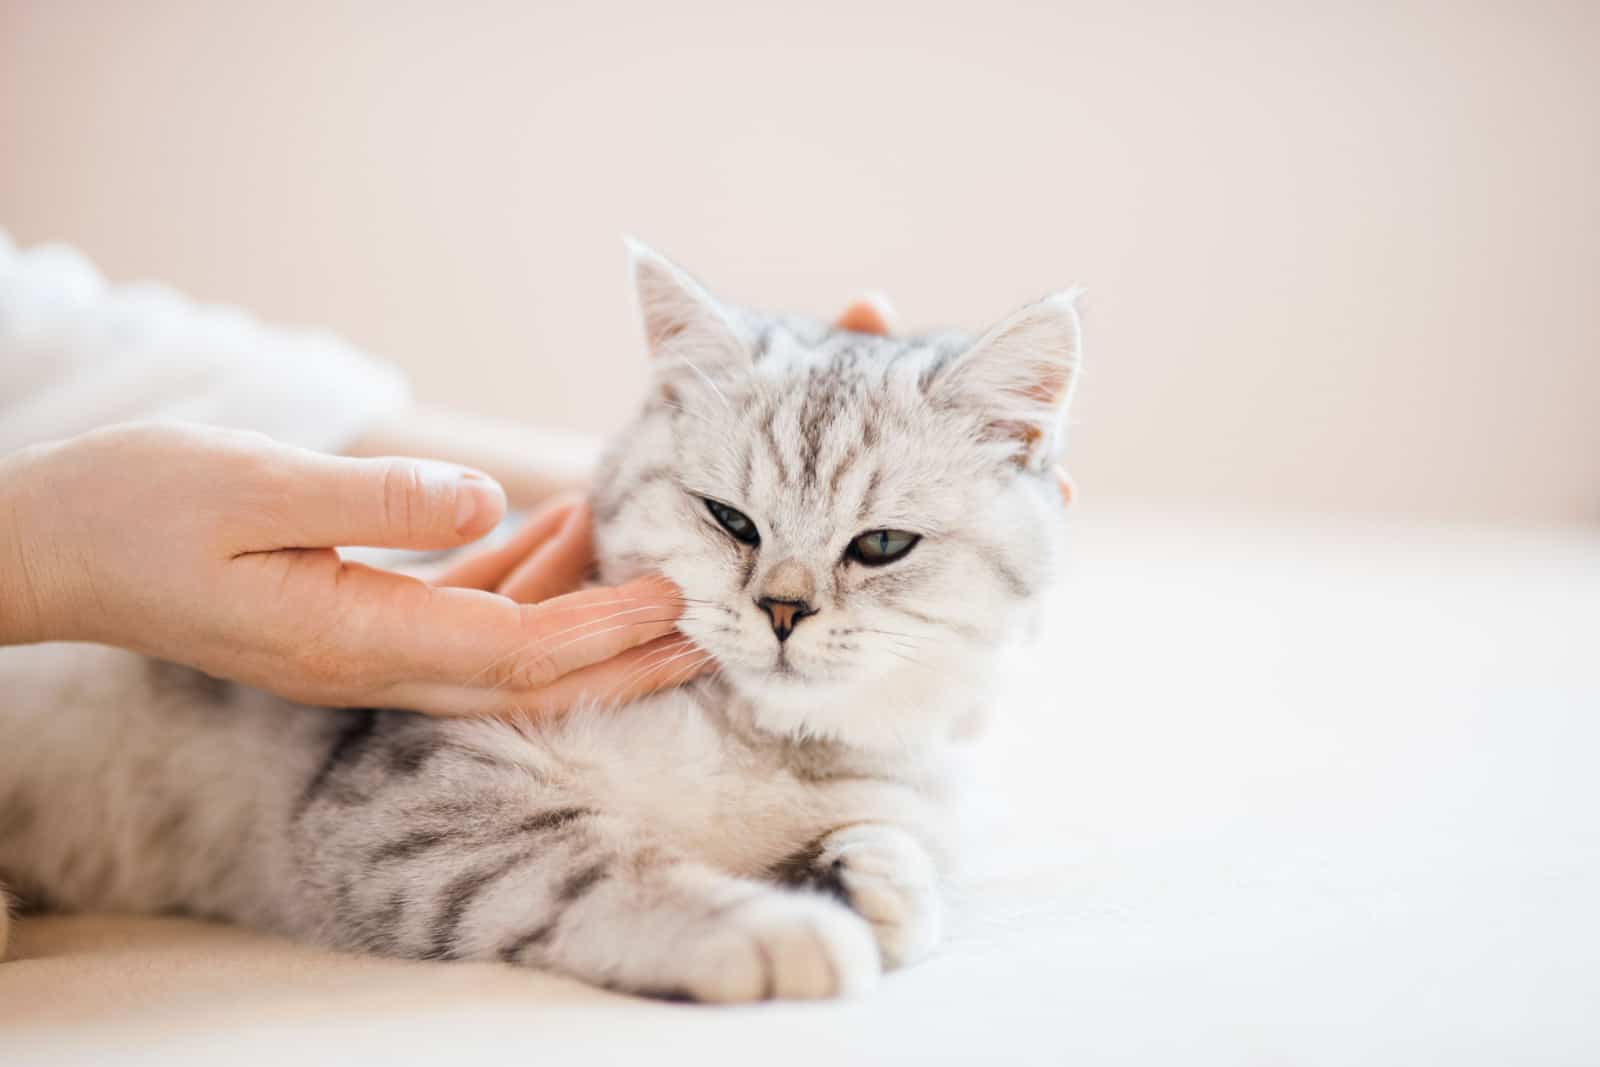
(21, 619)
(24, 613)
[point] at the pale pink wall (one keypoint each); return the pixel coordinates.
(1340, 256)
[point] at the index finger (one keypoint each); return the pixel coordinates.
(660, 664)
(470, 639)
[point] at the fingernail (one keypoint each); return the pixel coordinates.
(479, 504)
(479, 500)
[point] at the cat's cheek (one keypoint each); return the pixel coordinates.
(636, 545)
(711, 613)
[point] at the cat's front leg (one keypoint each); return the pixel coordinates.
(884, 875)
(673, 927)
(575, 891)
(407, 842)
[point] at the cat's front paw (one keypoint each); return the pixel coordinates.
(888, 879)
(781, 945)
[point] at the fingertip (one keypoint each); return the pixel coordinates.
(480, 504)
(655, 588)
(569, 501)
(869, 314)
(577, 517)
(557, 566)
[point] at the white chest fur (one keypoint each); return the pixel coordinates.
(670, 765)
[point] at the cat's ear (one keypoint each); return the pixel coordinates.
(684, 326)
(1019, 377)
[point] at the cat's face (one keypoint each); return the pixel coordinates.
(855, 521)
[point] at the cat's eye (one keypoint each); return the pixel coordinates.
(736, 522)
(877, 547)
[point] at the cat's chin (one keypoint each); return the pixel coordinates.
(789, 682)
(762, 686)
(896, 712)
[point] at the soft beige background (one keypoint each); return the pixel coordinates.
(1341, 257)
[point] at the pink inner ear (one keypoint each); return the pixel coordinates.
(660, 334)
(1053, 379)
(1024, 435)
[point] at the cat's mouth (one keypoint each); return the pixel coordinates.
(783, 666)
(780, 671)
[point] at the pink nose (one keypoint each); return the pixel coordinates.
(785, 614)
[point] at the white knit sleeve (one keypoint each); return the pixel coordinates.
(77, 353)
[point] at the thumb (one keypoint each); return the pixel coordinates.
(387, 503)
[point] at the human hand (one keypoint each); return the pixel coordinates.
(215, 548)
(548, 558)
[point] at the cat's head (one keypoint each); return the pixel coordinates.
(856, 521)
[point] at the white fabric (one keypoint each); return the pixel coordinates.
(1307, 795)
(77, 353)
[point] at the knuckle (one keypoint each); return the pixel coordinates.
(531, 668)
(402, 488)
(315, 666)
(328, 668)
(325, 658)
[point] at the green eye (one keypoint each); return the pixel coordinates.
(877, 547)
(736, 522)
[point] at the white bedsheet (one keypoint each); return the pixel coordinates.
(1315, 794)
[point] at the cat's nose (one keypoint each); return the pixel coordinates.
(785, 614)
(785, 594)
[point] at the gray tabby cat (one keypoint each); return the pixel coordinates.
(857, 524)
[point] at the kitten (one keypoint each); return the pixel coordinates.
(857, 524)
